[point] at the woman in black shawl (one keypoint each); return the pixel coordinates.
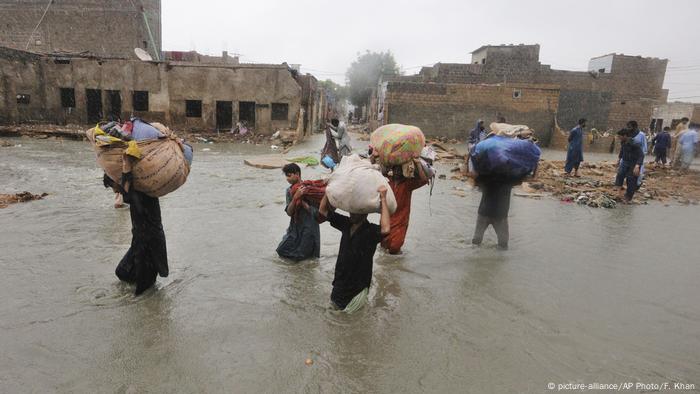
(147, 256)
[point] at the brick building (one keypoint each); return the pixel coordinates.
(670, 114)
(510, 81)
(40, 88)
(102, 28)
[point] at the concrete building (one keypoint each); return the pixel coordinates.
(670, 114)
(103, 28)
(40, 88)
(509, 80)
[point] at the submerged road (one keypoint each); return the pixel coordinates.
(583, 295)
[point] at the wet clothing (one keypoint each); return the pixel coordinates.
(574, 152)
(493, 210)
(662, 143)
(303, 237)
(687, 143)
(403, 189)
(641, 140)
(631, 155)
(353, 268)
(147, 256)
(343, 138)
(330, 149)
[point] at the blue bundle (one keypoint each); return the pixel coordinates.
(505, 157)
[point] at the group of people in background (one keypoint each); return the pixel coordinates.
(681, 147)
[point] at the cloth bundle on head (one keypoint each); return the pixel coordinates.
(353, 186)
(315, 190)
(510, 158)
(160, 165)
(511, 130)
(395, 144)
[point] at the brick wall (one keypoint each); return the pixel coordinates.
(168, 87)
(453, 109)
(608, 100)
(599, 144)
(103, 27)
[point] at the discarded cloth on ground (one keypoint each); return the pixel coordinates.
(160, 165)
(511, 158)
(395, 144)
(308, 160)
(353, 186)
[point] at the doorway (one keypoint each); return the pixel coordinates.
(94, 105)
(246, 113)
(114, 105)
(224, 115)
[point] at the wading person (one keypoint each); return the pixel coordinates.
(403, 189)
(329, 154)
(303, 237)
(342, 137)
(662, 144)
(353, 268)
(574, 152)
(493, 209)
(147, 256)
(631, 159)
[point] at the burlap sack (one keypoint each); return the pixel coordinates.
(353, 187)
(161, 169)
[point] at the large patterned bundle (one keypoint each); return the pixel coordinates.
(396, 144)
(501, 156)
(353, 187)
(161, 168)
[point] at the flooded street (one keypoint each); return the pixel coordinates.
(583, 295)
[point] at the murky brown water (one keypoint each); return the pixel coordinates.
(583, 295)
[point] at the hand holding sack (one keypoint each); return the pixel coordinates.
(353, 187)
(315, 190)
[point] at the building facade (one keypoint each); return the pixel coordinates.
(103, 28)
(38, 88)
(616, 88)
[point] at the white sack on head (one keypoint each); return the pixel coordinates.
(353, 187)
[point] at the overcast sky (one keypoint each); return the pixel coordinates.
(325, 37)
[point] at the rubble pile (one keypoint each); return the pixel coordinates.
(7, 199)
(443, 153)
(595, 188)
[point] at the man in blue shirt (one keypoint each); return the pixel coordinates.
(631, 160)
(640, 139)
(574, 152)
(662, 143)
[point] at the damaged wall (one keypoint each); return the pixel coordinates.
(628, 90)
(452, 109)
(165, 86)
(103, 27)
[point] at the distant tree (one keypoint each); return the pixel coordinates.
(340, 92)
(364, 73)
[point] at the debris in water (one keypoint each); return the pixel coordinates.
(7, 199)
(309, 362)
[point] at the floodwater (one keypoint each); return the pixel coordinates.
(583, 295)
